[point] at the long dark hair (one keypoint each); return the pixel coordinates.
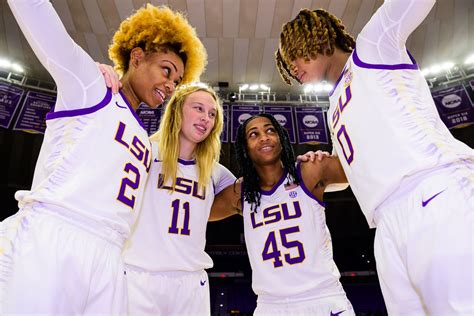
(251, 180)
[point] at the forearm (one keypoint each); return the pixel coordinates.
(72, 69)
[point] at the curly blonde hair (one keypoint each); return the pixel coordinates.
(154, 29)
(308, 34)
(207, 152)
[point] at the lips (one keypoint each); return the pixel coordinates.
(266, 148)
(160, 95)
(301, 76)
(200, 128)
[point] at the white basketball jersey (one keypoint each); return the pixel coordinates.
(382, 118)
(93, 162)
(170, 234)
(289, 244)
(95, 155)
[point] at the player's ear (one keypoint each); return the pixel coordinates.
(136, 56)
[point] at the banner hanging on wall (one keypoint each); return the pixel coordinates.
(284, 116)
(225, 128)
(454, 106)
(150, 118)
(33, 112)
(239, 114)
(10, 97)
(311, 125)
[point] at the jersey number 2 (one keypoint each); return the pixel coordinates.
(270, 250)
(127, 182)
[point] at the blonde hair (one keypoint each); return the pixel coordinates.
(206, 152)
(156, 28)
(308, 34)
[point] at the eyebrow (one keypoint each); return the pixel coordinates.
(175, 68)
(255, 127)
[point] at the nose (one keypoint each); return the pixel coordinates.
(263, 138)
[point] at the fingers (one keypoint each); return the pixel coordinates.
(322, 154)
(111, 77)
(311, 156)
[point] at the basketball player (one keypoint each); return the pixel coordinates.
(61, 253)
(288, 242)
(165, 258)
(412, 179)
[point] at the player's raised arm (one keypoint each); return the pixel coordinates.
(79, 81)
(382, 40)
(227, 202)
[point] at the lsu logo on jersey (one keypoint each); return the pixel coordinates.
(185, 186)
(275, 213)
(347, 80)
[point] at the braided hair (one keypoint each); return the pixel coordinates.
(308, 34)
(251, 180)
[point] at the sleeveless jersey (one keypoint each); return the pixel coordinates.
(95, 155)
(289, 244)
(383, 121)
(170, 234)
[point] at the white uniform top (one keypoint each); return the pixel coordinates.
(382, 118)
(289, 244)
(95, 156)
(170, 234)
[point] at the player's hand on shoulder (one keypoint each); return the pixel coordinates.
(111, 77)
(311, 156)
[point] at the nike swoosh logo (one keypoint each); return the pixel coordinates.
(336, 314)
(424, 203)
(202, 282)
(120, 106)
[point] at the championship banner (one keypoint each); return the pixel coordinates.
(454, 106)
(32, 117)
(239, 114)
(149, 117)
(10, 97)
(311, 125)
(225, 128)
(284, 116)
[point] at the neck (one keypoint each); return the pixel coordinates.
(270, 175)
(338, 61)
(127, 90)
(186, 148)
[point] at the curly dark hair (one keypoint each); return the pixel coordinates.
(308, 34)
(251, 180)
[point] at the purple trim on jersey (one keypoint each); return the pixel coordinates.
(132, 110)
(186, 162)
(337, 81)
(84, 111)
(305, 189)
(270, 192)
(361, 64)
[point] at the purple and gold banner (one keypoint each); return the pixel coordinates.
(34, 110)
(284, 116)
(311, 125)
(239, 114)
(10, 96)
(150, 118)
(454, 106)
(225, 128)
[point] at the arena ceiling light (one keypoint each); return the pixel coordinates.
(9, 65)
